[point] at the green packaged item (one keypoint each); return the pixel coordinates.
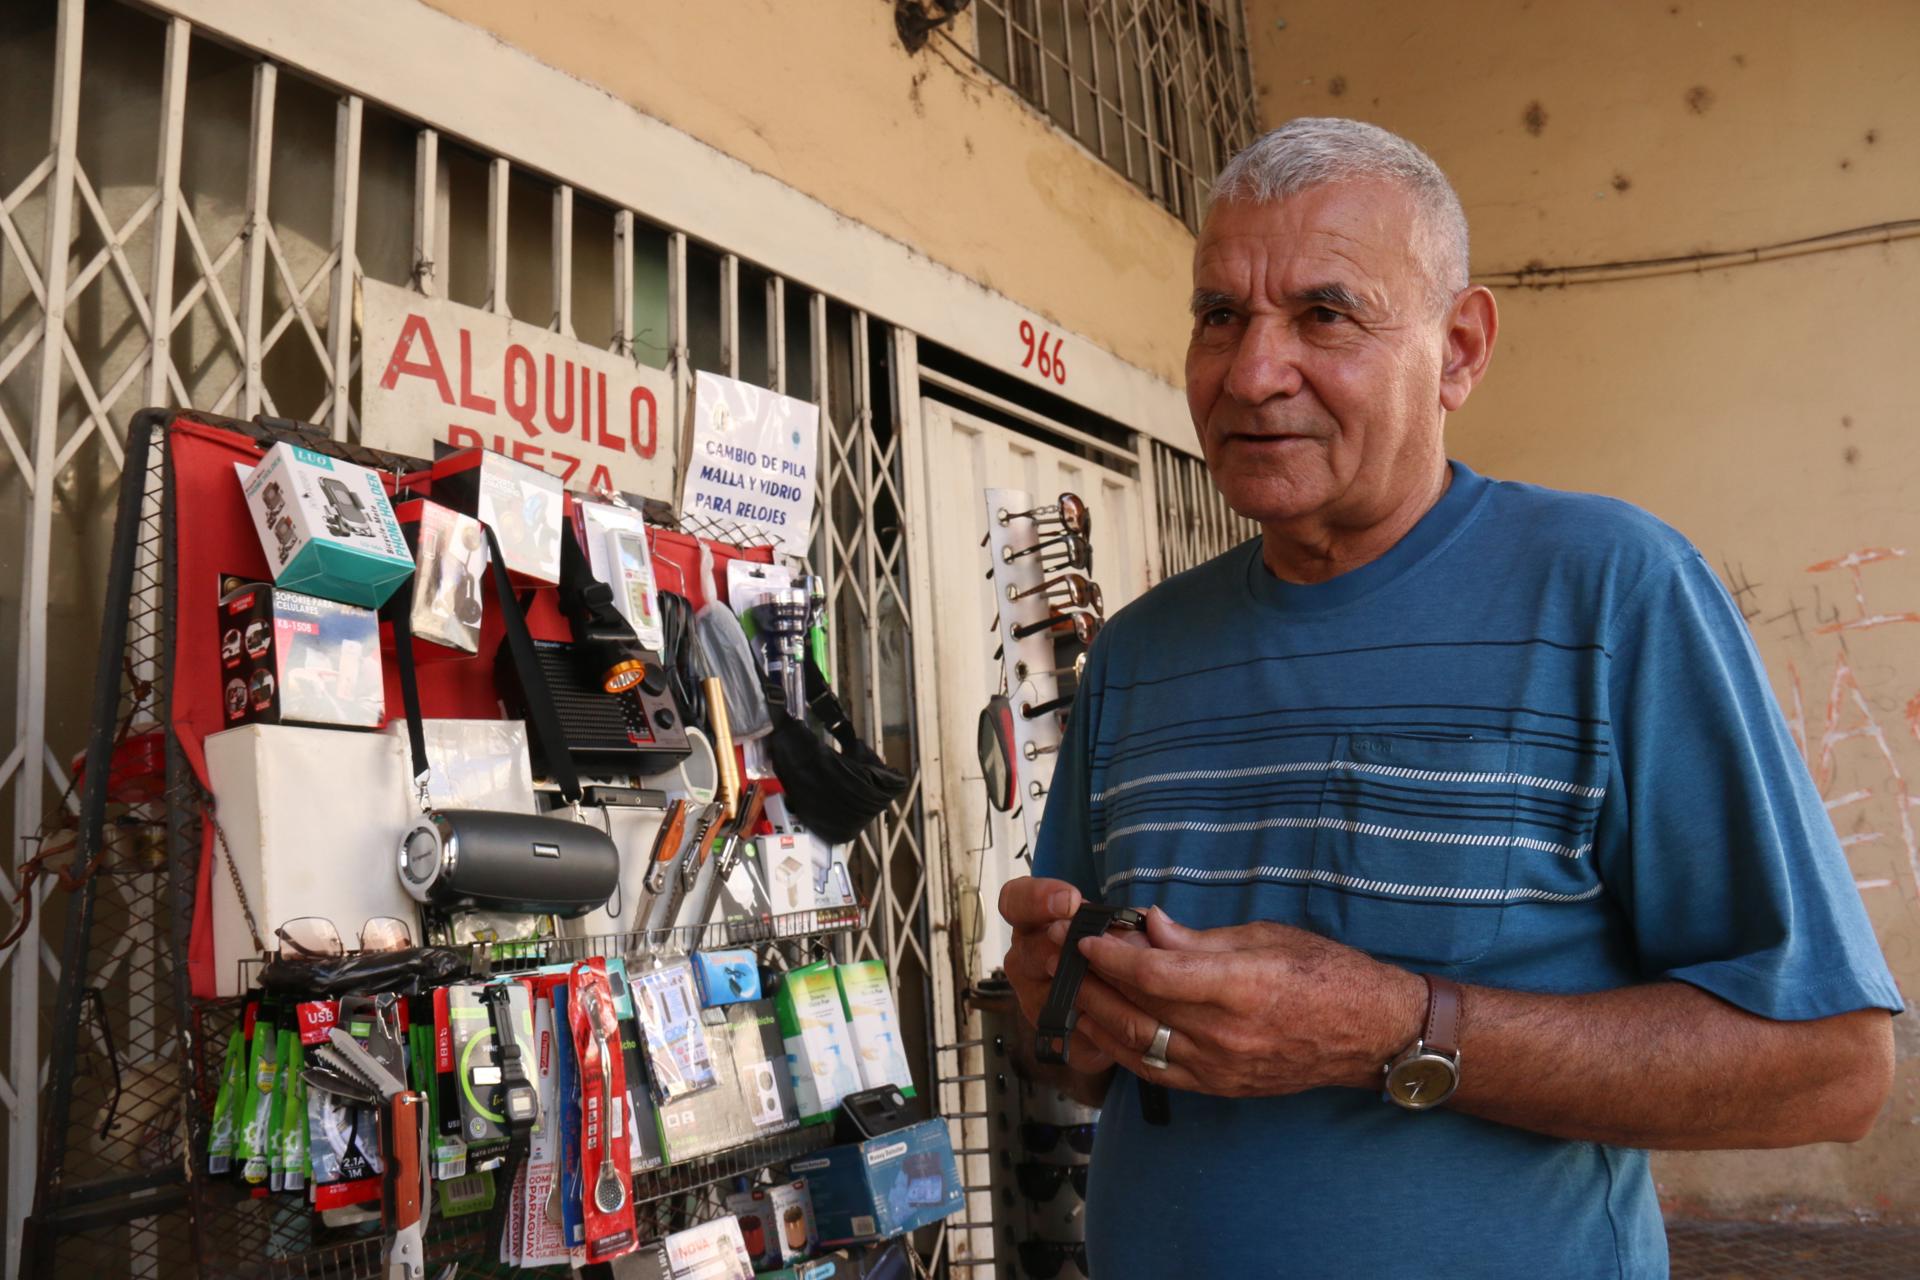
(256, 1103)
(874, 1025)
(277, 1114)
(819, 1051)
(448, 1151)
(293, 1124)
(232, 1073)
(469, 1193)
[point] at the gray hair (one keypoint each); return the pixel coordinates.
(1315, 150)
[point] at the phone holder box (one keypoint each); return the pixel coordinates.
(884, 1186)
(291, 658)
(326, 526)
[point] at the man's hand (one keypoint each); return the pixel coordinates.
(1264, 1009)
(1040, 911)
(1256, 1009)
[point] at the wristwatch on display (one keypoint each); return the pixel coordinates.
(1058, 1016)
(1426, 1073)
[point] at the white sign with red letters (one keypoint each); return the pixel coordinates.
(435, 370)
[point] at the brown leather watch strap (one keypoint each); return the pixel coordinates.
(1445, 1020)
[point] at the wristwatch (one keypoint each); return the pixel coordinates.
(1059, 1014)
(1426, 1072)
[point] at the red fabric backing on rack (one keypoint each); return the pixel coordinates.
(214, 535)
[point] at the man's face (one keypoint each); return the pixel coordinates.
(1313, 373)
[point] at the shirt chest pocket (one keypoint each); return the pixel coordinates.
(1412, 846)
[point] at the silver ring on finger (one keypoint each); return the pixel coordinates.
(1155, 1058)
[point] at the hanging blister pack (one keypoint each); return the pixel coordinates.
(722, 652)
(220, 1138)
(643, 1122)
(679, 1060)
(256, 1115)
(344, 1136)
(293, 1126)
(607, 1191)
(539, 1238)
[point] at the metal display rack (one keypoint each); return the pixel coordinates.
(122, 1187)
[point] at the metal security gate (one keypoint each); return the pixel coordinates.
(968, 453)
(185, 224)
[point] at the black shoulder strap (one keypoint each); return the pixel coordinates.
(825, 705)
(540, 709)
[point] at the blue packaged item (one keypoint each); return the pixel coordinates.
(573, 1227)
(726, 977)
(884, 1186)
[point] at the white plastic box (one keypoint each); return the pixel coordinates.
(314, 819)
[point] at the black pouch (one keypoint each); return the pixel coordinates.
(410, 971)
(834, 794)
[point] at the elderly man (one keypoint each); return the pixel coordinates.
(1443, 790)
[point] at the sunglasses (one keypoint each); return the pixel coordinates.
(315, 938)
(1041, 1182)
(1041, 1138)
(1043, 1259)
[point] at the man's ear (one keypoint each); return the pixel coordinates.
(1472, 324)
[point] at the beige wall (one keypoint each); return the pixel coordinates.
(925, 149)
(1768, 411)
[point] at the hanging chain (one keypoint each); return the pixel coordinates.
(233, 872)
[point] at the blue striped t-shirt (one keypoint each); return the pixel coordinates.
(1532, 746)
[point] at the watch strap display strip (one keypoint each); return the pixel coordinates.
(1059, 1015)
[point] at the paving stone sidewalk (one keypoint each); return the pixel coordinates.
(1778, 1251)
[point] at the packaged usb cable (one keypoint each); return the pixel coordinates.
(256, 1108)
(232, 1083)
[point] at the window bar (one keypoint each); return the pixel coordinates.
(426, 200)
(563, 260)
(1066, 65)
(29, 785)
(860, 429)
(1006, 28)
(1146, 109)
(163, 380)
(1191, 515)
(346, 270)
(497, 180)
(777, 334)
(166, 227)
(730, 314)
(1039, 35)
(253, 393)
(623, 282)
(1096, 12)
(679, 358)
(822, 470)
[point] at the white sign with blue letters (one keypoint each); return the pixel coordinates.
(753, 459)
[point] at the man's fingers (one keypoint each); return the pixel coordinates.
(1030, 902)
(1164, 932)
(1184, 977)
(1176, 1076)
(1132, 1020)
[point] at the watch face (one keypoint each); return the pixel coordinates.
(1422, 1081)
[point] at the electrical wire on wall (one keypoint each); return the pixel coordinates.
(1603, 272)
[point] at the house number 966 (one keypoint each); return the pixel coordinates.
(1050, 362)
